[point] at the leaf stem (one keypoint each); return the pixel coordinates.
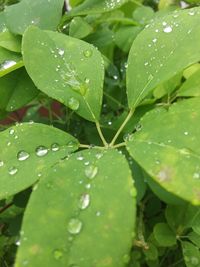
(130, 114)
(101, 134)
(119, 145)
(84, 146)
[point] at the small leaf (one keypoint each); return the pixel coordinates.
(191, 254)
(44, 14)
(66, 69)
(157, 52)
(191, 87)
(16, 90)
(79, 28)
(167, 147)
(26, 151)
(164, 235)
(96, 6)
(89, 219)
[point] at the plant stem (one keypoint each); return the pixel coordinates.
(101, 134)
(84, 146)
(6, 207)
(130, 114)
(119, 145)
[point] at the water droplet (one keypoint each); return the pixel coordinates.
(196, 175)
(99, 155)
(55, 147)
(1, 163)
(11, 131)
(88, 186)
(98, 213)
(73, 103)
(84, 201)
(41, 151)
(61, 52)
(18, 243)
(191, 12)
(7, 64)
(91, 171)
(72, 144)
(58, 254)
(80, 157)
(12, 170)
(154, 40)
(74, 226)
(115, 77)
(22, 155)
(138, 127)
(87, 53)
(185, 133)
(167, 29)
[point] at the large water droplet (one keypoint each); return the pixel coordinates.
(41, 151)
(58, 254)
(22, 155)
(7, 64)
(87, 53)
(167, 29)
(61, 52)
(12, 170)
(55, 147)
(73, 103)
(84, 201)
(74, 226)
(91, 171)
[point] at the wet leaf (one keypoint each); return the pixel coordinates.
(27, 150)
(89, 219)
(191, 254)
(157, 52)
(66, 69)
(33, 13)
(168, 149)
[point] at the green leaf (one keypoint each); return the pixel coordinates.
(79, 28)
(96, 6)
(152, 252)
(167, 147)
(66, 69)
(27, 150)
(195, 238)
(182, 217)
(143, 14)
(9, 61)
(157, 52)
(191, 254)
(164, 235)
(16, 90)
(191, 87)
(44, 14)
(10, 41)
(89, 219)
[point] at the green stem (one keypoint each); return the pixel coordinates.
(84, 146)
(101, 134)
(130, 114)
(119, 145)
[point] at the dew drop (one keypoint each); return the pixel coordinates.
(73, 103)
(41, 151)
(55, 147)
(196, 175)
(154, 40)
(18, 243)
(84, 201)
(11, 131)
(88, 186)
(185, 133)
(7, 64)
(91, 171)
(74, 226)
(61, 52)
(12, 170)
(98, 213)
(22, 155)
(80, 157)
(57, 254)
(1, 163)
(191, 12)
(167, 29)
(87, 53)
